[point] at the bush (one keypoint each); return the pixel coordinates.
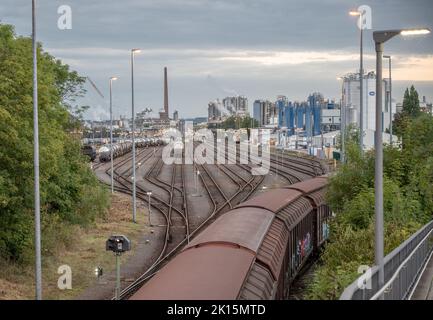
(70, 193)
(408, 204)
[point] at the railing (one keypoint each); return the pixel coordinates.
(402, 267)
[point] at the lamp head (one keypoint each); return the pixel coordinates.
(383, 36)
(355, 13)
(415, 32)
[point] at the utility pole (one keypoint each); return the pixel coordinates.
(390, 98)
(378, 177)
(134, 201)
(361, 90)
(38, 267)
(360, 14)
(380, 37)
(111, 132)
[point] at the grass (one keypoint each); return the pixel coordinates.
(86, 253)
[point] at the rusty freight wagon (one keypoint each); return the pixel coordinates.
(254, 251)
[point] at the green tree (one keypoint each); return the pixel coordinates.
(238, 122)
(408, 204)
(411, 102)
(70, 193)
(411, 109)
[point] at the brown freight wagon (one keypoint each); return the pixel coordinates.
(254, 251)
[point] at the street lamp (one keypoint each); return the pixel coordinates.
(380, 37)
(360, 14)
(149, 194)
(134, 194)
(390, 98)
(342, 122)
(38, 267)
(111, 130)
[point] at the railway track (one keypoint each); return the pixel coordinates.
(220, 202)
(171, 201)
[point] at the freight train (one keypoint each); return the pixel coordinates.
(120, 149)
(89, 151)
(254, 251)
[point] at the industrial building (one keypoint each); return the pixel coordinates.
(237, 105)
(230, 106)
(331, 119)
(265, 112)
(214, 110)
(351, 101)
(312, 116)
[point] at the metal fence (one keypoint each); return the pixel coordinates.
(402, 268)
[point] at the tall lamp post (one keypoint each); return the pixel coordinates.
(38, 267)
(111, 131)
(360, 14)
(390, 98)
(342, 121)
(134, 198)
(380, 37)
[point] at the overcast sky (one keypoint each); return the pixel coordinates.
(216, 48)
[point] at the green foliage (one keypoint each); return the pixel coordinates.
(411, 110)
(347, 251)
(65, 177)
(355, 175)
(411, 103)
(408, 204)
(236, 122)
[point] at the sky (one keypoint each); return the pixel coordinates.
(218, 48)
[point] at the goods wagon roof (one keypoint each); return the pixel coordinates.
(272, 200)
(318, 197)
(309, 185)
(245, 227)
(293, 214)
(273, 248)
(210, 272)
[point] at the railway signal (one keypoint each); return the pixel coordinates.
(118, 244)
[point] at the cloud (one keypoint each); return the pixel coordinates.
(413, 68)
(213, 48)
(268, 58)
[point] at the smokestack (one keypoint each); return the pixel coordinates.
(165, 91)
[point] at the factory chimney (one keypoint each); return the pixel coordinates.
(165, 92)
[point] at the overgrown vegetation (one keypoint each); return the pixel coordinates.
(70, 194)
(237, 122)
(408, 200)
